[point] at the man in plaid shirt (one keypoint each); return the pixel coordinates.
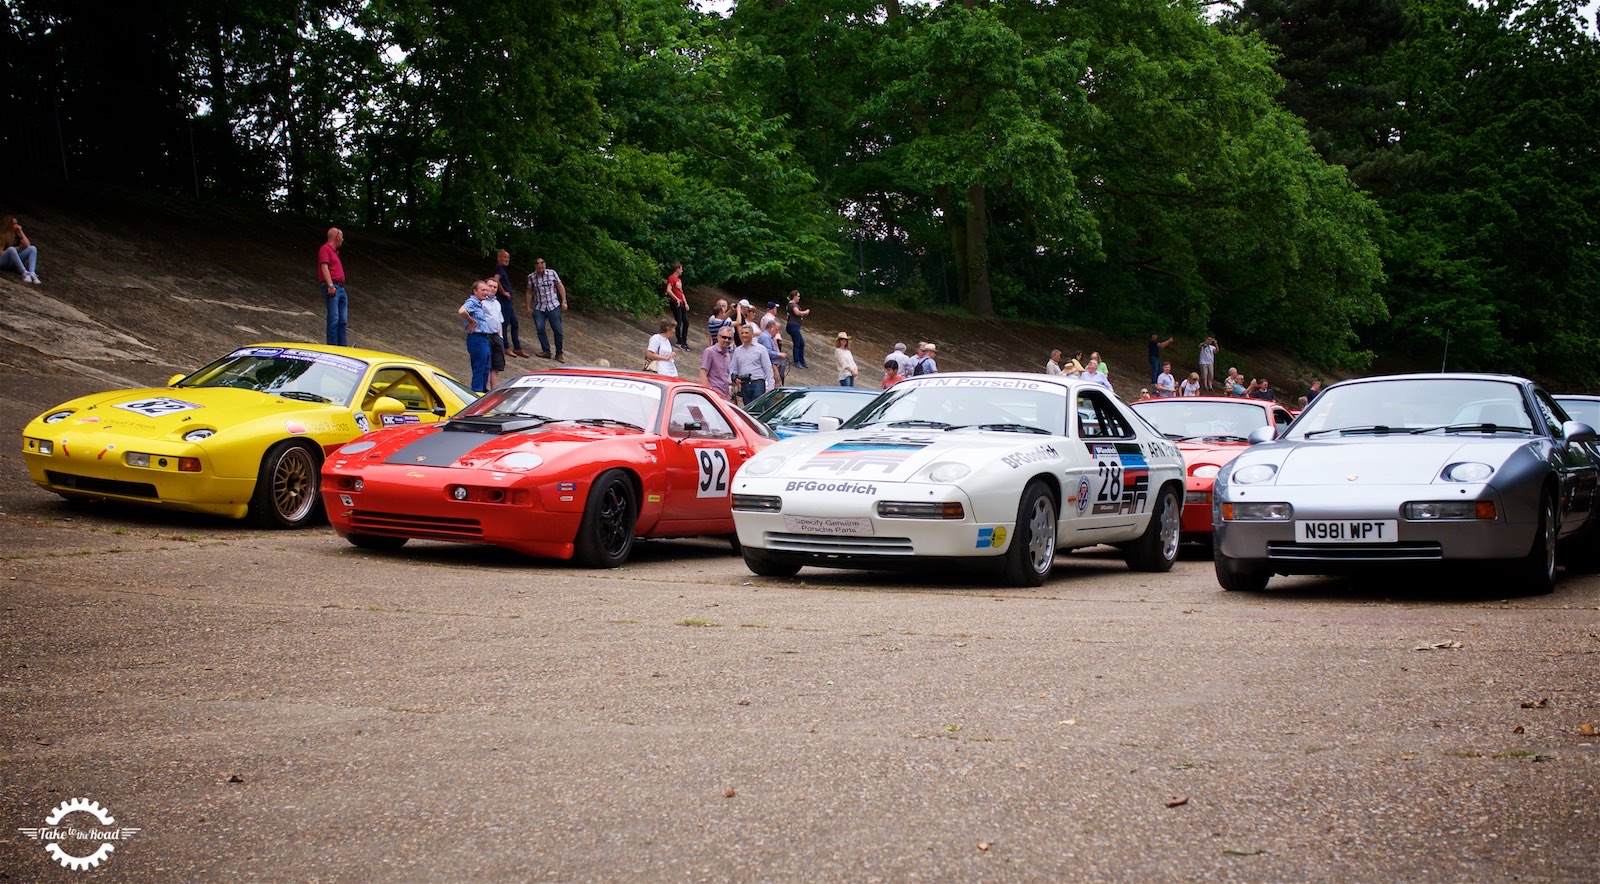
(545, 298)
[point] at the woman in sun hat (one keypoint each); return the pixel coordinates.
(845, 359)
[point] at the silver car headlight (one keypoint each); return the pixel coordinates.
(1257, 512)
(1467, 471)
(1254, 474)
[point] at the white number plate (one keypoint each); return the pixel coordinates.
(822, 525)
(1347, 531)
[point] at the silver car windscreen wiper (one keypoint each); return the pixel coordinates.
(1372, 429)
(1482, 427)
(1221, 437)
(937, 425)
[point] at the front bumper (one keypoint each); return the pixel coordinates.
(98, 470)
(1275, 544)
(423, 508)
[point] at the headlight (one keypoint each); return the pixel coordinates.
(1254, 474)
(1257, 512)
(198, 435)
(758, 503)
(909, 509)
(762, 465)
(1467, 472)
(56, 417)
(1437, 510)
(947, 472)
(38, 446)
(1205, 471)
(459, 492)
(519, 460)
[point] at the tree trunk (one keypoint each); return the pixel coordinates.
(951, 211)
(981, 297)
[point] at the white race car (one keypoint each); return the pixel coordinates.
(991, 469)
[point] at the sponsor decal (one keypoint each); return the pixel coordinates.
(991, 538)
(79, 823)
(653, 498)
(566, 486)
(843, 487)
(361, 421)
(91, 419)
(395, 420)
(157, 406)
(992, 383)
(343, 363)
(1083, 495)
(1042, 452)
(295, 428)
(346, 500)
(1123, 484)
(641, 388)
(883, 454)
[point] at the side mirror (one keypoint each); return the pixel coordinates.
(1262, 434)
(173, 381)
(1574, 432)
(827, 424)
(388, 405)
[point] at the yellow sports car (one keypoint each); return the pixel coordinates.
(244, 436)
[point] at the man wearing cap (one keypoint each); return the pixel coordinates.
(927, 362)
(845, 360)
(901, 361)
(744, 314)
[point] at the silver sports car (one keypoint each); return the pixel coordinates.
(1385, 472)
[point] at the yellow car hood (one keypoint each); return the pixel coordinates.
(169, 412)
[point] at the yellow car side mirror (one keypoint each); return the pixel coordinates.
(388, 405)
(173, 381)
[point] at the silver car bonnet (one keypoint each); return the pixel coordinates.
(1408, 460)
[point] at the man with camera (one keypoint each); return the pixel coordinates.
(751, 366)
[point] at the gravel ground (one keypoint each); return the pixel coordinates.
(264, 706)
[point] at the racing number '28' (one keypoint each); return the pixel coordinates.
(713, 473)
(1110, 482)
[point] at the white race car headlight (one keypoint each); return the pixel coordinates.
(519, 460)
(1254, 474)
(948, 471)
(762, 465)
(1467, 471)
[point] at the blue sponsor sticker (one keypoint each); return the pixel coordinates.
(991, 538)
(566, 486)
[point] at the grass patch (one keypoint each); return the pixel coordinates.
(697, 621)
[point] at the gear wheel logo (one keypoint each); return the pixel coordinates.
(59, 828)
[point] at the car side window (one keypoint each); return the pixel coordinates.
(1099, 419)
(1549, 411)
(694, 408)
(1281, 419)
(402, 384)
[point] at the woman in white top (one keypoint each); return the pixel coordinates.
(846, 361)
(660, 353)
(1190, 387)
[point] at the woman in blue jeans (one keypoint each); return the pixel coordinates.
(19, 254)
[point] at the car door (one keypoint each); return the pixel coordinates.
(701, 453)
(1579, 471)
(424, 404)
(1112, 483)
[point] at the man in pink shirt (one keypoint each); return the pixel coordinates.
(330, 272)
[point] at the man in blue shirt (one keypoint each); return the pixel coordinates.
(480, 325)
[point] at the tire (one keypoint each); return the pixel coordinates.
(733, 542)
(1535, 572)
(1157, 548)
(605, 536)
(288, 488)
(377, 541)
(764, 564)
(1235, 576)
(1033, 544)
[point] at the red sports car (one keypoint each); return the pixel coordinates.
(566, 464)
(1210, 431)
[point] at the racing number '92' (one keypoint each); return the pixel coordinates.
(713, 473)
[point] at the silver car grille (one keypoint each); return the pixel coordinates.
(1417, 551)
